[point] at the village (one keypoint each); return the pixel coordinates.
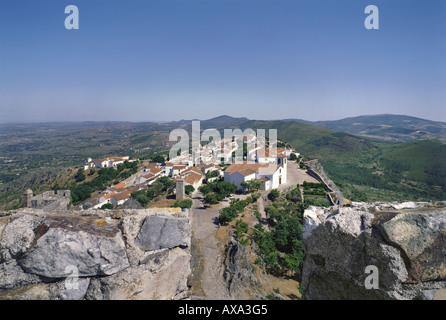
(217, 161)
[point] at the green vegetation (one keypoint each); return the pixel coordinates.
(106, 206)
(161, 186)
(273, 194)
(80, 175)
(251, 185)
(212, 174)
(183, 204)
(189, 189)
(409, 171)
(315, 194)
(142, 196)
(216, 191)
(281, 247)
(236, 207)
(370, 170)
(157, 159)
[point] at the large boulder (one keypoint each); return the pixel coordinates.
(93, 246)
(17, 234)
(422, 239)
(160, 232)
(105, 254)
(405, 247)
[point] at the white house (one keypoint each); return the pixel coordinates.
(271, 175)
(119, 198)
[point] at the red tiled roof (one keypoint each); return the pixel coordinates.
(246, 168)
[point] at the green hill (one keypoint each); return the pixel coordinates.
(370, 170)
(389, 127)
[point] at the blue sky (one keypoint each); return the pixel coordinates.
(157, 60)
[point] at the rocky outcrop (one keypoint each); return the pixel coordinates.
(240, 280)
(375, 251)
(117, 254)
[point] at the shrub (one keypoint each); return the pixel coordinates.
(186, 203)
(273, 195)
(189, 189)
(107, 206)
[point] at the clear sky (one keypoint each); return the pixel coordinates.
(154, 60)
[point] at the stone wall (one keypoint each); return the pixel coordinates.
(403, 242)
(316, 170)
(116, 254)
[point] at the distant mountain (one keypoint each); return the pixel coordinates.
(224, 121)
(389, 127)
(220, 122)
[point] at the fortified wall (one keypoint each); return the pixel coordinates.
(48, 200)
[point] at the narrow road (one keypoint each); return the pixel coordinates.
(204, 225)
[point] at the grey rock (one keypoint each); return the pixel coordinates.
(11, 276)
(130, 204)
(422, 238)
(18, 235)
(159, 232)
(75, 289)
(96, 252)
(163, 279)
(238, 270)
(406, 247)
(92, 255)
(277, 296)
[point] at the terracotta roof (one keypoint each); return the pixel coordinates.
(155, 170)
(247, 168)
(191, 179)
(108, 196)
(121, 196)
(151, 166)
(119, 185)
(149, 175)
(194, 170)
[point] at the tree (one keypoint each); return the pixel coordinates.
(107, 206)
(186, 203)
(158, 159)
(189, 189)
(274, 194)
(205, 189)
(211, 198)
(293, 157)
(141, 197)
(80, 175)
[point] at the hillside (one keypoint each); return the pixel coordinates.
(389, 127)
(370, 170)
(363, 168)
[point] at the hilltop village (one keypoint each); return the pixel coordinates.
(266, 165)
